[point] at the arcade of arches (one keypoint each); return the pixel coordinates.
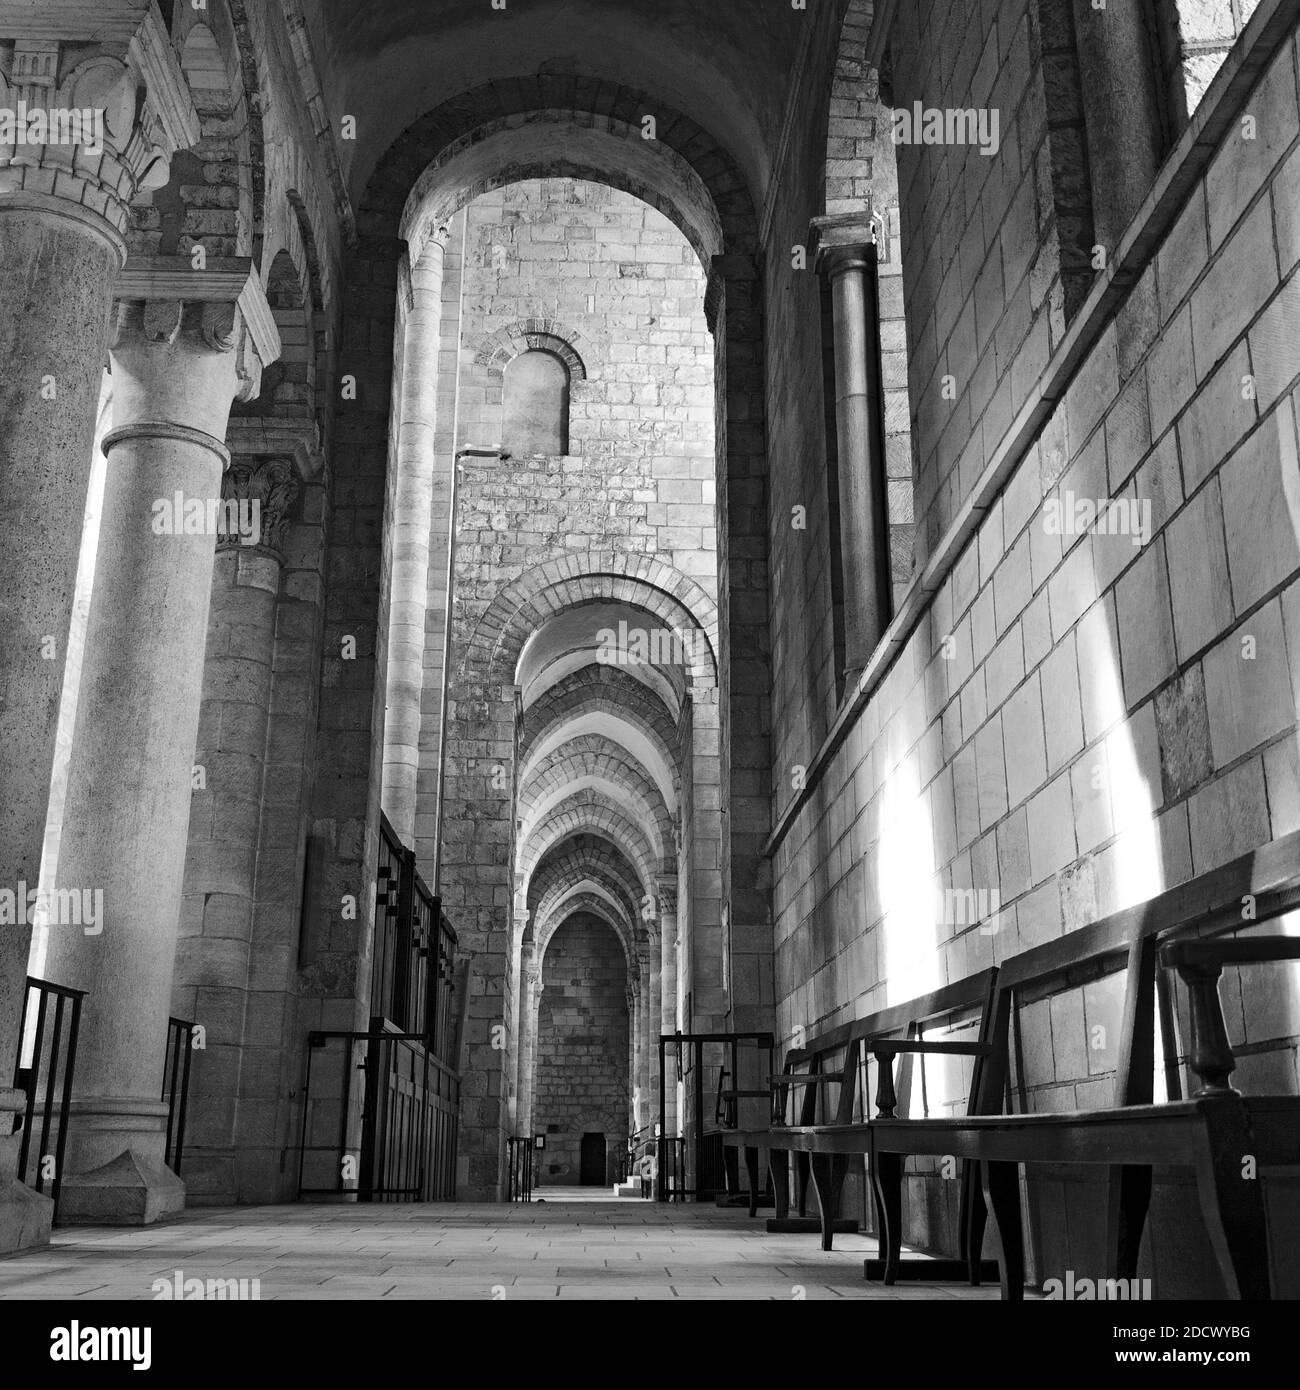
(541, 528)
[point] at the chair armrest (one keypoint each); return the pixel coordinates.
(1200, 963)
(885, 1050)
(1204, 952)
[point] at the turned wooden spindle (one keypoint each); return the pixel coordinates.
(1211, 1057)
(886, 1100)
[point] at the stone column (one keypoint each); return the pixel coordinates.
(654, 1022)
(634, 999)
(63, 211)
(413, 519)
(668, 989)
(532, 992)
(186, 342)
(211, 981)
(846, 254)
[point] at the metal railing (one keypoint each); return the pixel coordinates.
(411, 984)
(519, 1169)
(43, 1070)
(409, 1118)
(176, 1087)
(738, 1077)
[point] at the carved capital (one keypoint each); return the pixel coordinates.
(93, 105)
(220, 310)
(263, 491)
(267, 436)
(666, 889)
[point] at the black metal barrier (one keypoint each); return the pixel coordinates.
(43, 1069)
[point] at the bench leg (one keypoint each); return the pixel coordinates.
(751, 1172)
(887, 1184)
(778, 1162)
(976, 1217)
(828, 1174)
(801, 1183)
(731, 1171)
(1127, 1204)
(1001, 1183)
(1233, 1205)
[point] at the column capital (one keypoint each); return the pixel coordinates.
(847, 240)
(94, 106)
(185, 344)
(232, 311)
(666, 891)
(268, 436)
(263, 490)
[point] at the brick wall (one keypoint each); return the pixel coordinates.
(582, 1047)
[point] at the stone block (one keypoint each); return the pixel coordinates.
(1060, 687)
(1247, 686)
(1235, 288)
(1145, 624)
(1261, 494)
(1198, 573)
(1051, 829)
(1183, 727)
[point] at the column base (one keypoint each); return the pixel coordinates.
(114, 1173)
(128, 1191)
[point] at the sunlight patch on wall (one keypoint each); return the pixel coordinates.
(905, 856)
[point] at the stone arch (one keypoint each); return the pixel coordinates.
(590, 854)
(597, 689)
(639, 580)
(649, 753)
(673, 174)
(595, 762)
(565, 908)
(584, 898)
(592, 810)
(497, 350)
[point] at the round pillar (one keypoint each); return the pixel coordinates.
(175, 374)
(63, 211)
(413, 520)
(848, 258)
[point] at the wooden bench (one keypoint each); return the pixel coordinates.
(824, 1079)
(1213, 1132)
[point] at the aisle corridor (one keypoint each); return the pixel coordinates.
(550, 1250)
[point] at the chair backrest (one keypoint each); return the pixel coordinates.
(842, 1050)
(1252, 888)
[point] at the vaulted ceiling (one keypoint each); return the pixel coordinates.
(725, 64)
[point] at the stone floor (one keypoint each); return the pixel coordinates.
(555, 1249)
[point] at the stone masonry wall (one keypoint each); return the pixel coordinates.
(1083, 720)
(582, 1047)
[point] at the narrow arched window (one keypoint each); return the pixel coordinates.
(535, 405)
